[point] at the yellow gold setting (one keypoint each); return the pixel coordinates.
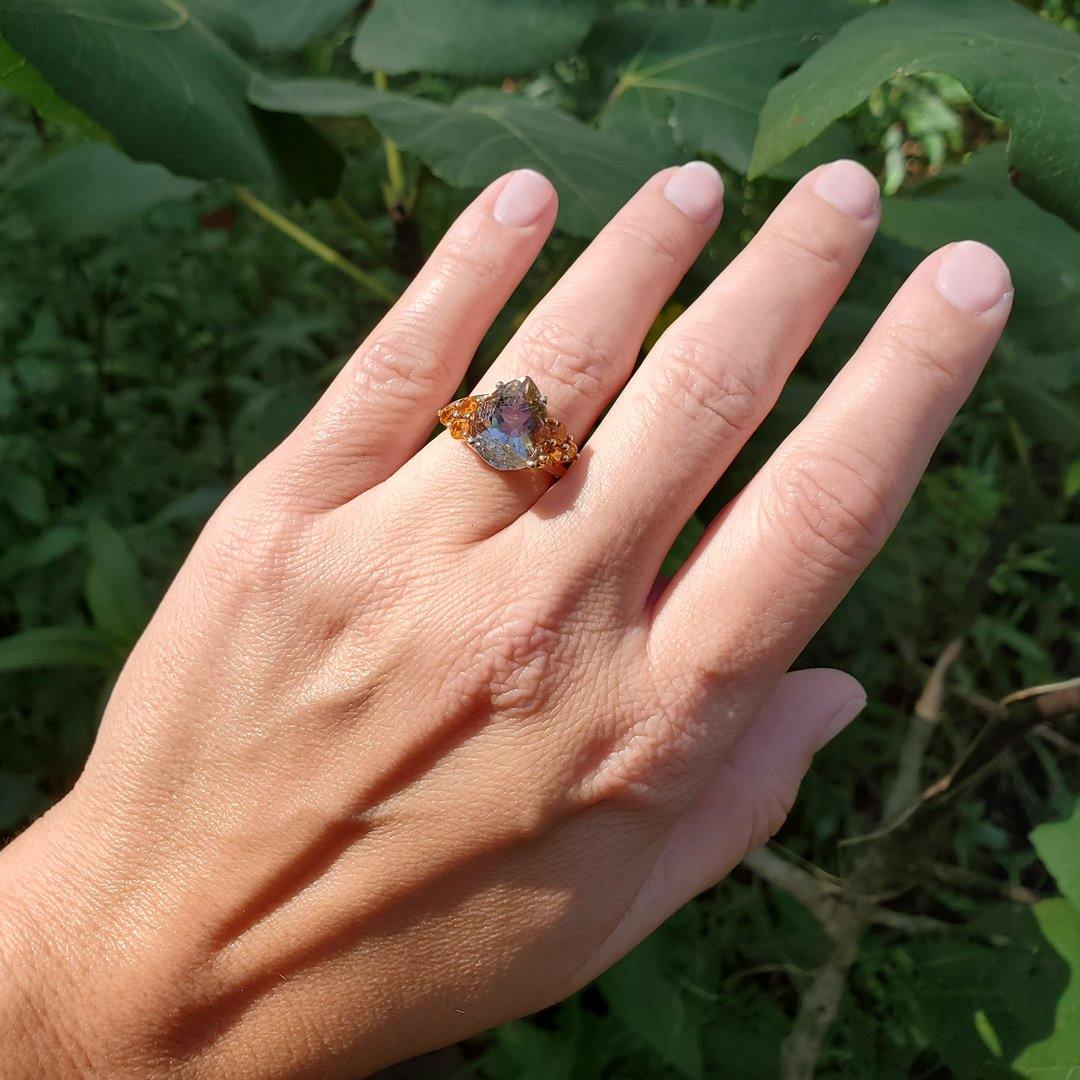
(510, 428)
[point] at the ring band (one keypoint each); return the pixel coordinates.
(510, 428)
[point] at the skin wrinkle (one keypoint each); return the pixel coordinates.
(399, 758)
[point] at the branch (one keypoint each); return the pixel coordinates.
(847, 914)
(813, 894)
(905, 786)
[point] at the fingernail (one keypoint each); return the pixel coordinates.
(973, 277)
(697, 190)
(850, 188)
(844, 715)
(523, 199)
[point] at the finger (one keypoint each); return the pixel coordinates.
(718, 369)
(743, 801)
(781, 557)
(581, 341)
(381, 407)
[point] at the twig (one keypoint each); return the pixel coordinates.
(845, 916)
(777, 871)
(905, 785)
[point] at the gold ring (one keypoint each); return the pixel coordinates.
(510, 428)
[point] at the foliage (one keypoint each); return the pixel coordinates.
(156, 339)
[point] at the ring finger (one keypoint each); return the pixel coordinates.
(580, 342)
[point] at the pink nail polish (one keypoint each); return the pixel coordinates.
(524, 198)
(973, 278)
(850, 188)
(697, 190)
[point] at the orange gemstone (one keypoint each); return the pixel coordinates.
(459, 427)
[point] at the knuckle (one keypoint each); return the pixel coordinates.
(658, 244)
(466, 254)
(580, 359)
(514, 664)
(250, 547)
(820, 252)
(405, 361)
(708, 384)
(909, 345)
(826, 507)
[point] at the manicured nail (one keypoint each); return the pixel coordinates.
(524, 198)
(697, 190)
(844, 715)
(973, 278)
(850, 188)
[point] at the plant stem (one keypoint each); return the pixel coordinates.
(313, 244)
(395, 193)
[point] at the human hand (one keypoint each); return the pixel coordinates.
(413, 746)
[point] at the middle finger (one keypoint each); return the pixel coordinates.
(716, 372)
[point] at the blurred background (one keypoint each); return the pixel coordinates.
(204, 208)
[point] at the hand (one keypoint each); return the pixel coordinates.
(413, 746)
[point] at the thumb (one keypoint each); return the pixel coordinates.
(745, 801)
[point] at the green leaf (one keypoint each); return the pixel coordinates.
(698, 78)
(985, 997)
(482, 134)
(21, 78)
(91, 189)
(651, 1007)
(1058, 842)
(977, 202)
(168, 90)
(478, 39)
(114, 584)
(58, 646)
(270, 25)
(1057, 1057)
(1015, 65)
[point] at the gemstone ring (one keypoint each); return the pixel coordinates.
(510, 428)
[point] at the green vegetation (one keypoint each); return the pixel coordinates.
(204, 207)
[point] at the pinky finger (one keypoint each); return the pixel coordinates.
(774, 566)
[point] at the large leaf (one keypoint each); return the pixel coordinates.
(168, 89)
(698, 78)
(270, 25)
(1058, 845)
(20, 77)
(91, 189)
(1057, 1057)
(1015, 65)
(985, 997)
(977, 202)
(482, 134)
(477, 39)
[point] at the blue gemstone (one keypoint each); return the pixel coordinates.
(509, 419)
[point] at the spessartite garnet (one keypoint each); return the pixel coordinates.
(508, 423)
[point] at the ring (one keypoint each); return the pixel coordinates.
(510, 428)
